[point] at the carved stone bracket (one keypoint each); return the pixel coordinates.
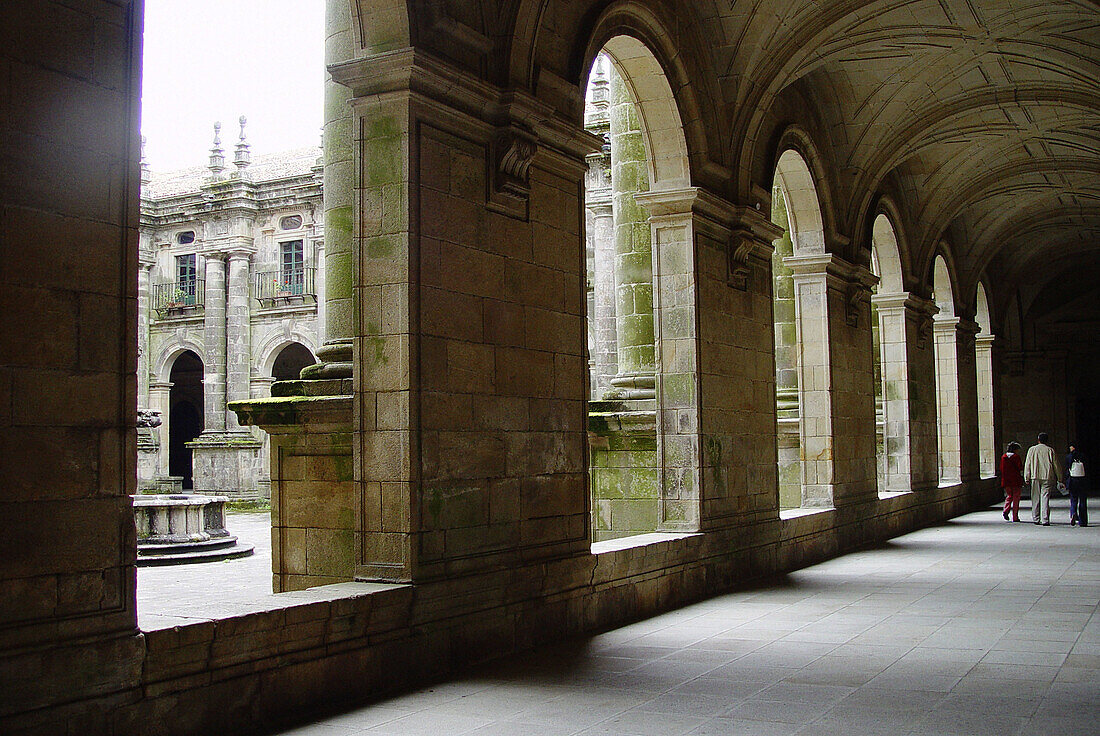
(513, 150)
(737, 259)
(924, 332)
(856, 296)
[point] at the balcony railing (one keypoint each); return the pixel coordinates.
(286, 286)
(179, 296)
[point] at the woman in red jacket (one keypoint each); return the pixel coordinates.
(1012, 479)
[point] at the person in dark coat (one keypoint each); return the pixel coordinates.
(1012, 479)
(1078, 485)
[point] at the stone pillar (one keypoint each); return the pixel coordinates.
(906, 390)
(633, 250)
(214, 359)
(602, 319)
(237, 334)
(838, 417)
(956, 391)
(987, 443)
(225, 458)
(968, 401)
(732, 297)
(811, 294)
(145, 265)
(160, 401)
(339, 205)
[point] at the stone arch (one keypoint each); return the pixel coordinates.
(981, 309)
(801, 343)
(162, 367)
(666, 92)
(886, 251)
(271, 348)
(944, 286)
(649, 241)
(983, 369)
(946, 349)
(802, 199)
(662, 129)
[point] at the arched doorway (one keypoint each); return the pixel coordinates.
(185, 418)
(290, 362)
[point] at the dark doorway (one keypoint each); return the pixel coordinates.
(290, 362)
(1087, 435)
(185, 414)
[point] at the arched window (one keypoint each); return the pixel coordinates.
(890, 352)
(291, 360)
(983, 366)
(643, 471)
(801, 341)
(945, 329)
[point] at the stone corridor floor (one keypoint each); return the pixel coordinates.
(973, 627)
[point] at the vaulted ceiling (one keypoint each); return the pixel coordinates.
(983, 115)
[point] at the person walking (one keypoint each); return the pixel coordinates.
(1012, 479)
(1078, 484)
(1041, 472)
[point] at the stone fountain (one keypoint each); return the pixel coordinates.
(178, 528)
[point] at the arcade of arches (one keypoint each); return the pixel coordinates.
(628, 302)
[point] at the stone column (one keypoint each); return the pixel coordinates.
(633, 251)
(987, 444)
(237, 334)
(145, 265)
(214, 359)
(339, 205)
(601, 238)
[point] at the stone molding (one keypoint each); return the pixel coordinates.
(436, 81)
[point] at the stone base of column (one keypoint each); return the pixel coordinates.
(625, 479)
(227, 464)
(336, 362)
(633, 387)
(314, 510)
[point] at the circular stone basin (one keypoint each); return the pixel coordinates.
(175, 529)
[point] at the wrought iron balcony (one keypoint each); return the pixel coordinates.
(284, 287)
(179, 297)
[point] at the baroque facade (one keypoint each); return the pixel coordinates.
(230, 299)
(432, 486)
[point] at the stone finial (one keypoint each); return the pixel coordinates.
(243, 156)
(146, 176)
(217, 155)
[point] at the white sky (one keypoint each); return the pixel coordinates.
(208, 60)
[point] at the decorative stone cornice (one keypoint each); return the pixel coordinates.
(420, 72)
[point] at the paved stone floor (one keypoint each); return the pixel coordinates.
(167, 595)
(974, 627)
